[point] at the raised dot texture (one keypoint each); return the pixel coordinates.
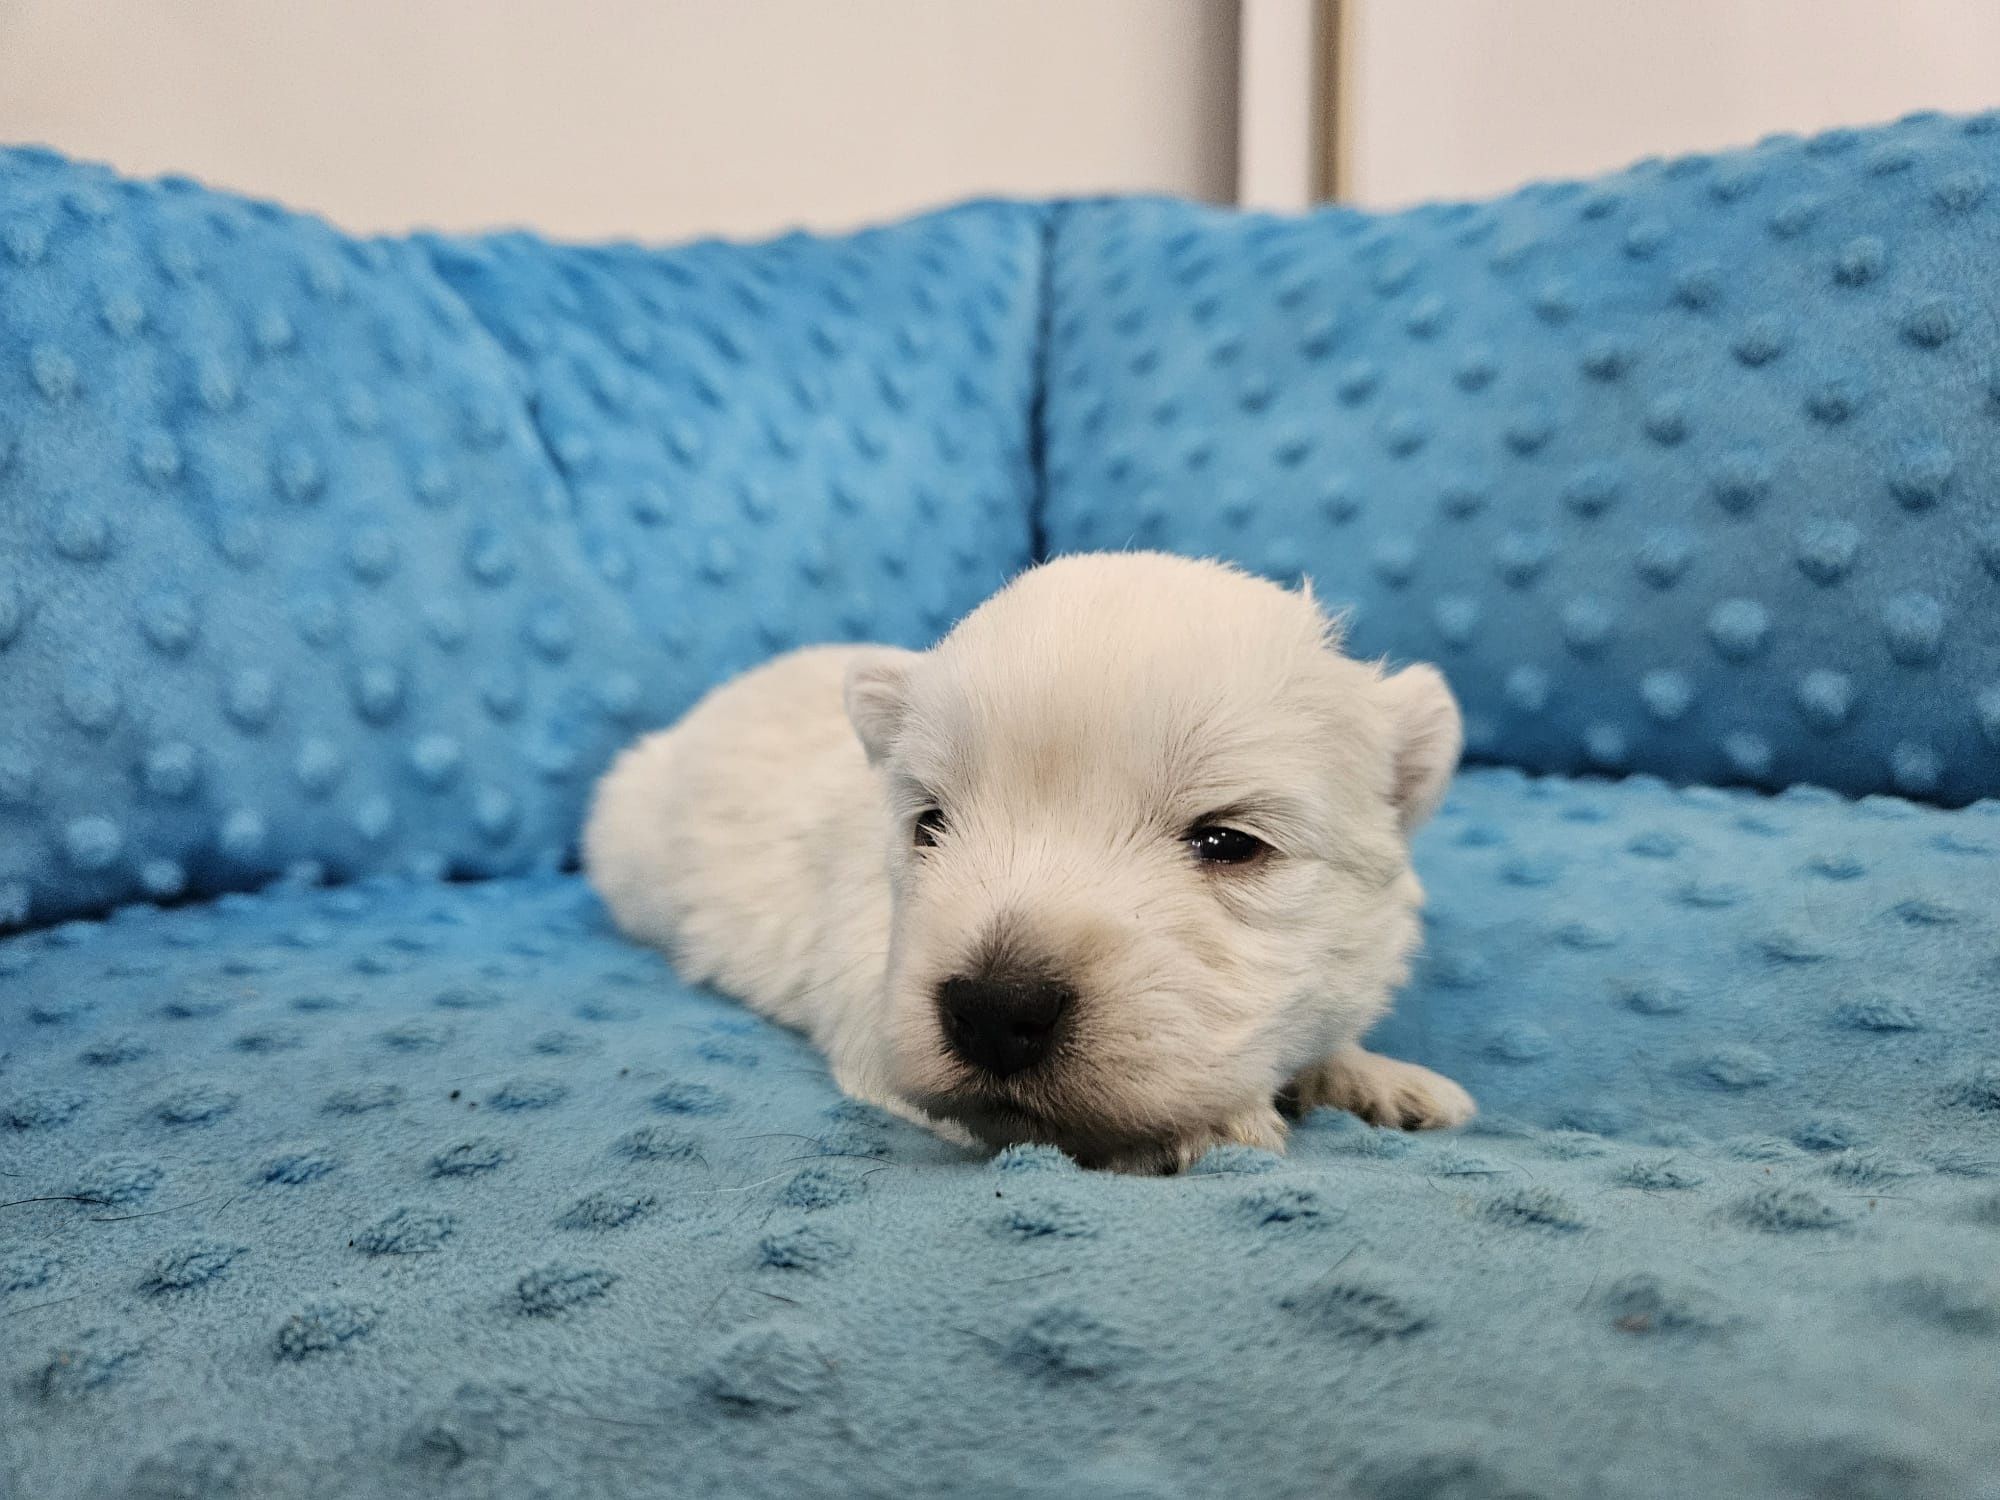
(1931, 323)
(1834, 401)
(1860, 261)
(97, 1360)
(607, 1209)
(196, 1104)
(555, 1290)
(45, 1109)
(187, 1269)
(1780, 1210)
(528, 1094)
(1827, 548)
(1738, 628)
(1064, 1342)
(1921, 474)
(295, 1168)
(117, 1181)
(1742, 480)
(324, 1328)
(1825, 698)
(363, 1098)
(92, 844)
(1644, 1304)
(1534, 1208)
(1286, 1208)
(1587, 623)
(1355, 1311)
(1914, 626)
(766, 1370)
(1664, 555)
(1668, 694)
(471, 1158)
(803, 1249)
(406, 1232)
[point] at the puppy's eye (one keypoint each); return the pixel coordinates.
(930, 823)
(1213, 844)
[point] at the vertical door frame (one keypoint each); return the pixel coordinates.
(1291, 103)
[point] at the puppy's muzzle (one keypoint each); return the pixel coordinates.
(1003, 1021)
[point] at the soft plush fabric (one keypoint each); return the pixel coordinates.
(1686, 471)
(349, 563)
(834, 429)
(423, 1189)
(297, 566)
(283, 573)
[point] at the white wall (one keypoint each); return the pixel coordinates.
(1463, 98)
(651, 118)
(662, 119)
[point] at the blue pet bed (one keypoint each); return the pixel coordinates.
(347, 1152)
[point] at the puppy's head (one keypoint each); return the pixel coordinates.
(1148, 849)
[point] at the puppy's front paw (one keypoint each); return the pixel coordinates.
(1383, 1091)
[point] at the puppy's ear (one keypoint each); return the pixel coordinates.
(876, 690)
(1425, 730)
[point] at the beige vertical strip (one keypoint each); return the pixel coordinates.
(1333, 104)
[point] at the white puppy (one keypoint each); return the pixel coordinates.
(1121, 864)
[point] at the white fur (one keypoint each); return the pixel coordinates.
(1073, 729)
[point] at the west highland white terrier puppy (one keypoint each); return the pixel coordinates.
(1120, 865)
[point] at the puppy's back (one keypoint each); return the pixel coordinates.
(747, 841)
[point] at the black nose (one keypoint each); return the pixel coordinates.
(1003, 1023)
